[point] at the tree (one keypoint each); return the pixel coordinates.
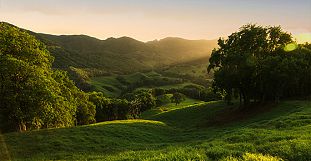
(102, 104)
(141, 101)
(145, 99)
(177, 98)
(32, 95)
(237, 60)
(163, 99)
(261, 64)
(108, 109)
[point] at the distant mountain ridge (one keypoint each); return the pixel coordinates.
(124, 54)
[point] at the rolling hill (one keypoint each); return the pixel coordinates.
(122, 55)
(198, 131)
(88, 59)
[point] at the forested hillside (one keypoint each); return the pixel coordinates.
(122, 55)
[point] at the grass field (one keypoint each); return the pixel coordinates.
(111, 87)
(101, 84)
(176, 86)
(190, 131)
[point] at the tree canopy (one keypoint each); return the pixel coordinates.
(260, 64)
(32, 94)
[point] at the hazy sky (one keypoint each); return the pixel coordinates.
(154, 19)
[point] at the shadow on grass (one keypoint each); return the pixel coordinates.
(107, 137)
(184, 127)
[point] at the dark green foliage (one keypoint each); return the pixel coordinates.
(120, 109)
(254, 64)
(109, 109)
(86, 110)
(145, 99)
(209, 94)
(192, 91)
(101, 103)
(177, 98)
(158, 91)
(32, 95)
(139, 102)
(163, 99)
(197, 92)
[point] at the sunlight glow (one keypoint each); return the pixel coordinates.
(290, 47)
(148, 20)
(303, 38)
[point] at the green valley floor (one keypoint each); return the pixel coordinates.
(190, 131)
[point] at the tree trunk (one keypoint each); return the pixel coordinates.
(22, 127)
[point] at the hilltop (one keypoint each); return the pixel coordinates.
(121, 55)
(124, 54)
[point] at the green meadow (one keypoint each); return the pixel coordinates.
(192, 130)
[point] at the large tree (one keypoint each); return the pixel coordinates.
(32, 95)
(253, 62)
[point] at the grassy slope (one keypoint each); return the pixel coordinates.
(186, 132)
(101, 83)
(194, 68)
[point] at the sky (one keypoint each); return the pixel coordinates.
(148, 20)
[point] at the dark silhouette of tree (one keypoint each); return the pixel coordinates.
(253, 63)
(177, 98)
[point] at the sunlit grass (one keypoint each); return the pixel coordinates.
(129, 122)
(180, 133)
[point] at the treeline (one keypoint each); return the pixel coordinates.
(108, 109)
(260, 64)
(132, 104)
(191, 91)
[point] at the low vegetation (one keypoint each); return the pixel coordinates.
(178, 133)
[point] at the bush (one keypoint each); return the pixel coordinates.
(163, 99)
